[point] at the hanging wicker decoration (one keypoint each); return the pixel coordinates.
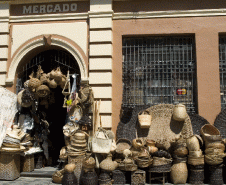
(44, 78)
(63, 82)
(52, 84)
(33, 84)
(21, 99)
(43, 91)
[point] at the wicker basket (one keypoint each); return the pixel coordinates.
(9, 166)
(78, 160)
(119, 177)
(138, 177)
(196, 174)
(216, 175)
(160, 168)
(220, 122)
(69, 178)
(165, 130)
(210, 134)
(197, 122)
(89, 178)
(123, 144)
(27, 163)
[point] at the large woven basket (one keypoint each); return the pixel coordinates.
(196, 174)
(220, 122)
(216, 174)
(9, 166)
(197, 122)
(138, 177)
(119, 177)
(27, 163)
(165, 130)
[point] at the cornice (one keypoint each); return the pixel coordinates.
(169, 14)
(49, 17)
(38, 1)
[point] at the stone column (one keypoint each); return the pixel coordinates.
(100, 56)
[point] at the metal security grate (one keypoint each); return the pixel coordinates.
(159, 70)
(222, 59)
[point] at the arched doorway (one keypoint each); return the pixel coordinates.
(55, 113)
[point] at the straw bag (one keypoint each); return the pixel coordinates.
(101, 144)
(144, 119)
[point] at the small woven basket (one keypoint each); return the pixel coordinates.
(160, 168)
(119, 177)
(9, 166)
(89, 178)
(138, 177)
(209, 130)
(123, 144)
(27, 163)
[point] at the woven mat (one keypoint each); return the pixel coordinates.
(164, 130)
(220, 123)
(197, 122)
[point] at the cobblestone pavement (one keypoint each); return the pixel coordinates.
(28, 181)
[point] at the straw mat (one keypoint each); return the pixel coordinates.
(164, 129)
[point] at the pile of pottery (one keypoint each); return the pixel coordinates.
(195, 156)
(78, 143)
(11, 142)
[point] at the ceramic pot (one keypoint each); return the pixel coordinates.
(179, 112)
(179, 173)
(108, 165)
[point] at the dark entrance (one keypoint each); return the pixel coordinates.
(55, 113)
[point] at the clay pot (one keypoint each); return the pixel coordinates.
(193, 143)
(107, 164)
(179, 112)
(179, 173)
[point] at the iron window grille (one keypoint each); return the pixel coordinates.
(159, 70)
(222, 67)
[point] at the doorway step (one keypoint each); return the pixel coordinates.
(45, 172)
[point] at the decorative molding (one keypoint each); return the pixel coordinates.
(37, 1)
(169, 14)
(49, 17)
(100, 14)
(40, 42)
(4, 18)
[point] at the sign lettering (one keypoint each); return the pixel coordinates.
(50, 8)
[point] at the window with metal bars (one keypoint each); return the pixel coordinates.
(159, 70)
(222, 62)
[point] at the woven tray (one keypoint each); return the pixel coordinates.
(197, 122)
(220, 123)
(9, 166)
(128, 125)
(164, 130)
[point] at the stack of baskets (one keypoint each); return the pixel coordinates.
(214, 152)
(195, 160)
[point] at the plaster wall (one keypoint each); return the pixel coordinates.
(76, 31)
(206, 31)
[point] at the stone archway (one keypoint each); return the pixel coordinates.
(56, 41)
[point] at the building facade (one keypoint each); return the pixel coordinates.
(131, 52)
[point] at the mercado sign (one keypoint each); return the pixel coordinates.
(49, 8)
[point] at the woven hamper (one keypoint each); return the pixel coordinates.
(9, 166)
(216, 174)
(196, 174)
(27, 163)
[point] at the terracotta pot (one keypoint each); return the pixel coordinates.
(179, 173)
(179, 112)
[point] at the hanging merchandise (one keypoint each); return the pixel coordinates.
(23, 98)
(75, 114)
(43, 91)
(67, 86)
(101, 142)
(33, 83)
(52, 84)
(26, 122)
(8, 109)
